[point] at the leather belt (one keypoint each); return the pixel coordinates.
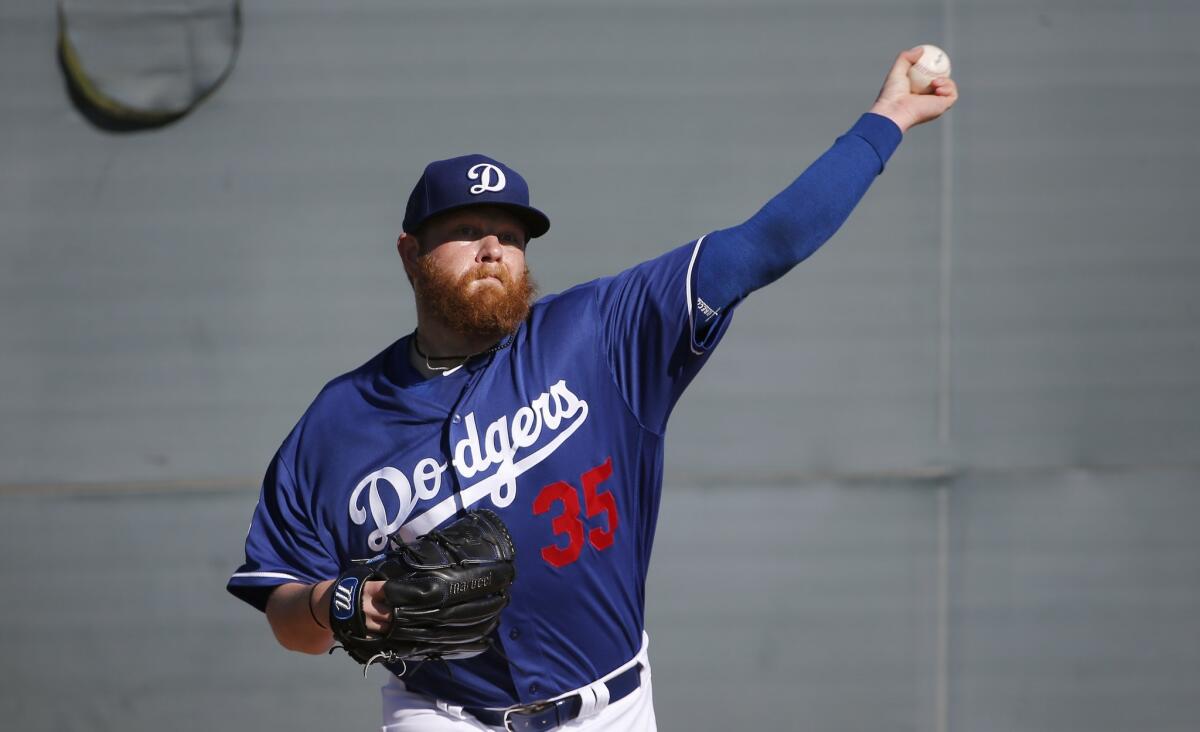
(549, 715)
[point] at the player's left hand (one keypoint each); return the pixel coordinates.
(377, 612)
(897, 102)
(437, 596)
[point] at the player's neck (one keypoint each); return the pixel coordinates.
(436, 349)
(441, 342)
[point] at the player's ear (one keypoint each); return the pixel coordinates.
(409, 248)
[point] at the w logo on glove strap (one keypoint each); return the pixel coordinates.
(343, 598)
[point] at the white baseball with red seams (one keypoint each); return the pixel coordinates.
(933, 63)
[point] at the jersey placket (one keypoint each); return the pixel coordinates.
(456, 430)
(517, 631)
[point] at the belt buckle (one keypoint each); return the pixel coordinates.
(527, 709)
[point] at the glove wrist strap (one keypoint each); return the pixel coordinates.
(345, 607)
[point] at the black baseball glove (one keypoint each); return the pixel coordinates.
(446, 590)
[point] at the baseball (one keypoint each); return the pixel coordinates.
(933, 63)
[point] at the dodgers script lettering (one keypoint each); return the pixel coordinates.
(506, 443)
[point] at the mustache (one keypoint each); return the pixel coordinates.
(484, 271)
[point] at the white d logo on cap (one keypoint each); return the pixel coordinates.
(489, 176)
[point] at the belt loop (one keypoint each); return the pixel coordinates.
(587, 702)
(595, 699)
(451, 709)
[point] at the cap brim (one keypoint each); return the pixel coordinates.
(536, 222)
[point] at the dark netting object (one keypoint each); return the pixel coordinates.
(138, 64)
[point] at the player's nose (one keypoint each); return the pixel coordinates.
(489, 249)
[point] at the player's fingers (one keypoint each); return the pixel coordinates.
(376, 624)
(895, 84)
(376, 611)
(377, 615)
(372, 589)
(945, 87)
(375, 605)
(377, 627)
(377, 608)
(905, 61)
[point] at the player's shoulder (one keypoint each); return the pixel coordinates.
(342, 396)
(351, 381)
(574, 313)
(574, 304)
(587, 302)
(676, 258)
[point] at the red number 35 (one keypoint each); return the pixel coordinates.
(569, 523)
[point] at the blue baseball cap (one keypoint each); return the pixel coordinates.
(472, 180)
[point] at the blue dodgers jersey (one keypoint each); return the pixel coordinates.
(561, 434)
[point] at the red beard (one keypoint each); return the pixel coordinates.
(479, 312)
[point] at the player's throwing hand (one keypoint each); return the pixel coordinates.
(898, 103)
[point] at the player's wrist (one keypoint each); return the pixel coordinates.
(893, 112)
(318, 604)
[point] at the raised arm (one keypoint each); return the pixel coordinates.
(795, 223)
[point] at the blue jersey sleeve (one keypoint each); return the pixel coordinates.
(662, 318)
(797, 221)
(283, 544)
(648, 332)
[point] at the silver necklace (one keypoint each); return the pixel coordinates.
(416, 341)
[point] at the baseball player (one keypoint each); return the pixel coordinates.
(551, 414)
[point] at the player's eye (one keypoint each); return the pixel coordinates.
(468, 231)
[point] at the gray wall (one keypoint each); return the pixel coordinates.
(965, 433)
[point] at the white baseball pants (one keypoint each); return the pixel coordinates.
(408, 711)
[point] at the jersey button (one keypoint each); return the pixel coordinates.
(514, 634)
(456, 419)
(534, 688)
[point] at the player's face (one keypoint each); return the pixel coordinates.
(468, 270)
(476, 239)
